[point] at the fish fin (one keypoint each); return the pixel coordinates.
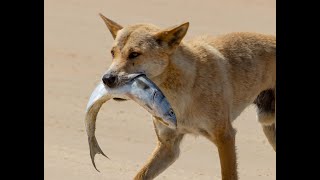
(95, 149)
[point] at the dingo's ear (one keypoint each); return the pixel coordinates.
(112, 26)
(173, 35)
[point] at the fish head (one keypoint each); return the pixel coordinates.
(164, 110)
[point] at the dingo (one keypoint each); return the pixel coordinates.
(208, 81)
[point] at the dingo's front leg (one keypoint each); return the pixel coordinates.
(227, 155)
(166, 152)
(224, 138)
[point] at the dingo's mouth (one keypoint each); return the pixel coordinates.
(119, 99)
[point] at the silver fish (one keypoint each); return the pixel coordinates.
(138, 88)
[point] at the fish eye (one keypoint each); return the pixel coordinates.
(155, 94)
(133, 55)
(171, 112)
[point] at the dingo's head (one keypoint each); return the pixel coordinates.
(141, 48)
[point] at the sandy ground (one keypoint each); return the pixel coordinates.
(76, 55)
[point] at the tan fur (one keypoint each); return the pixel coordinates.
(208, 81)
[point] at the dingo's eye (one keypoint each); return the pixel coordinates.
(112, 54)
(133, 55)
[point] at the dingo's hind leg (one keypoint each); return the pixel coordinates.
(266, 114)
(270, 132)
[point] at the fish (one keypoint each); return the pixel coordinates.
(140, 89)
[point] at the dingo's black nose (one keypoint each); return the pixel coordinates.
(109, 80)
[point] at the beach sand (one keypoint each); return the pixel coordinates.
(77, 53)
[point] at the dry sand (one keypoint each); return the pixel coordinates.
(76, 55)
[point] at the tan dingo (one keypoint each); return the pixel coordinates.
(208, 81)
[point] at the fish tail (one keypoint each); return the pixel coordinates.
(95, 149)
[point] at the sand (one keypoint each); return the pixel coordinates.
(77, 46)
